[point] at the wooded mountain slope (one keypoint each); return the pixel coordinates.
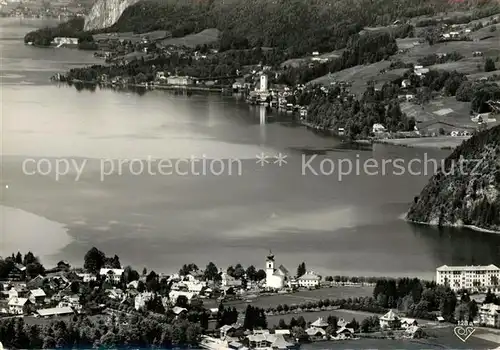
(296, 24)
(467, 196)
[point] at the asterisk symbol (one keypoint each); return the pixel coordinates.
(280, 159)
(262, 159)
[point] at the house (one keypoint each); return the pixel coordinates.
(18, 306)
(87, 277)
(378, 128)
(316, 333)
(229, 281)
(264, 341)
(421, 71)
(315, 53)
(342, 323)
(60, 41)
(275, 278)
(455, 133)
(112, 275)
(55, 311)
(228, 330)
(309, 280)
(18, 272)
(179, 81)
(489, 315)
(414, 332)
(175, 294)
(12, 293)
(319, 323)
(405, 83)
(141, 300)
(115, 294)
(63, 265)
(36, 282)
(408, 322)
(468, 277)
(160, 76)
(345, 333)
(390, 320)
(37, 296)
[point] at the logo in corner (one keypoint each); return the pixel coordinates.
(463, 333)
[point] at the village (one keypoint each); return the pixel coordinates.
(257, 309)
(456, 56)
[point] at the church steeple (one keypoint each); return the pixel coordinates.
(270, 257)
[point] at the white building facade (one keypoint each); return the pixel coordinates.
(309, 280)
(469, 277)
(263, 83)
(276, 278)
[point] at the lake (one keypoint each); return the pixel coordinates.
(349, 225)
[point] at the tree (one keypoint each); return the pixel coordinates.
(211, 272)
(94, 260)
(130, 275)
(261, 274)
(489, 65)
(115, 262)
(251, 273)
(239, 271)
(19, 258)
(301, 269)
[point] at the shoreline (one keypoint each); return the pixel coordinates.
(142, 86)
(470, 227)
(434, 142)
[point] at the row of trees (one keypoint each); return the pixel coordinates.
(101, 332)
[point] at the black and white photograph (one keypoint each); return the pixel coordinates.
(250, 174)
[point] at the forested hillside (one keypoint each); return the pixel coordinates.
(467, 190)
(298, 25)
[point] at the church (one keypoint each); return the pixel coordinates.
(276, 278)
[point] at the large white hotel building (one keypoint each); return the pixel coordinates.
(468, 277)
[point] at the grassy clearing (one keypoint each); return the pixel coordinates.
(359, 76)
(344, 292)
(295, 62)
(156, 35)
(207, 36)
(460, 114)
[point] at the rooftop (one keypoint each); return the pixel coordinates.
(468, 268)
(55, 311)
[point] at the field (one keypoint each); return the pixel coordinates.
(156, 35)
(298, 297)
(359, 76)
(295, 62)
(206, 36)
(459, 112)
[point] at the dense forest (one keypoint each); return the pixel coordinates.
(299, 26)
(328, 112)
(466, 190)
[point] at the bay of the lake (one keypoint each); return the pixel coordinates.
(349, 226)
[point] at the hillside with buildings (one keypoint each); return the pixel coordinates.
(465, 192)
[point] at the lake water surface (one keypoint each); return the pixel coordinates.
(350, 227)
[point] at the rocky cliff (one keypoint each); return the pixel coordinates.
(466, 191)
(105, 13)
